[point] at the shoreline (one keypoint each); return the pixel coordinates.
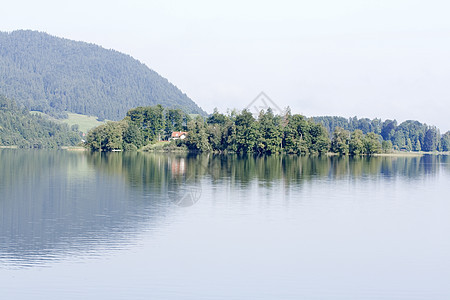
(412, 154)
(159, 149)
(73, 148)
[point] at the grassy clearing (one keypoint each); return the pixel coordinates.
(156, 146)
(74, 148)
(163, 146)
(85, 123)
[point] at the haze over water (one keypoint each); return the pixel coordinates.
(162, 226)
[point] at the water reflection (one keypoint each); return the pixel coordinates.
(61, 204)
(143, 169)
(57, 204)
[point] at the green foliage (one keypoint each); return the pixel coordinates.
(359, 143)
(173, 121)
(372, 143)
(107, 137)
(445, 141)
(133, 135)
(297, 134)
(150, 119)
(352, 124)
(197, 139)
(141, 126)
(356, 143)
(269, 134)
(431, 140)
(215, 137)
(340, 141)
(246, 132)
(55, 75)
(229, 136)
(291, 140)
(408, 136)
(386, 146)
(217, 118)
(388, 129)
(320, 141)
(18, 127)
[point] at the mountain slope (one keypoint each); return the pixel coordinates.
(56, 75)
(20, 128)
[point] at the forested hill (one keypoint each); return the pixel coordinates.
(20, 128)
(55, 75)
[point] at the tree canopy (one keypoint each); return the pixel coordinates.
(18, 127)
(242, 132)
(408, 136)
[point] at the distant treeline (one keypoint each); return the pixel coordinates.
(241, 132)
(18, 127)
(408, 136)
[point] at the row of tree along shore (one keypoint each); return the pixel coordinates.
(241, 132)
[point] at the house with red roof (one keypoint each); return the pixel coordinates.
(178, 135)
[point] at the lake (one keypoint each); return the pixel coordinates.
(166, 226)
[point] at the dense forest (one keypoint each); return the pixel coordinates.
(141, 126)
(55, 75)
(267, 134)
(407, 136)
(18, 127)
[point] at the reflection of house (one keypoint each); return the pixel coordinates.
(178, 167)
(178, 135)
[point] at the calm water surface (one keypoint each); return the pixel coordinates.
(151, 226)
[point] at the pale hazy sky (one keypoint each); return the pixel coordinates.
(387, 59)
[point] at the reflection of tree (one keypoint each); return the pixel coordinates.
(55, 204)
(162, 171)
(52, 201)
(138, 169)
(31, 164)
